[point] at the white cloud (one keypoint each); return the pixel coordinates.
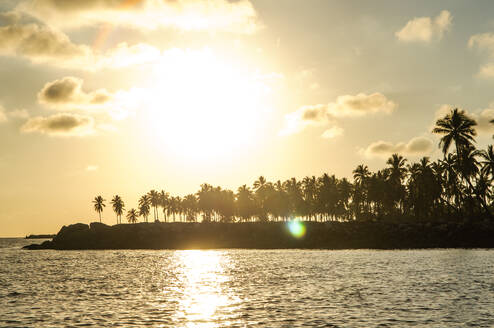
(61, 125)
(42, 44)
(481, 116)
(425, 29)
(418, 146)
(344, 106)
(39, 43)
(332, 132)
(67, 92)
(19, 114)
(361, 105)
(484, 41)
(16, 114)
(92, 168)
(212, 15)
(315, 115)
(3, 115)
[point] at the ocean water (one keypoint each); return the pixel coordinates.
(239, 288)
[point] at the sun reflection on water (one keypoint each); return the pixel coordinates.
(206, 300)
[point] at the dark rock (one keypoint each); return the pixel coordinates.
(327, 235)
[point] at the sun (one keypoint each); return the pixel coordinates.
(203, 106)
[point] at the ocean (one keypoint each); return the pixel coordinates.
(240, 288)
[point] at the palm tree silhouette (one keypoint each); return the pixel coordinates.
(99, 204)
(455, 127)
(132, 215)
(118, 207)
(154, 198)
(163, 202)
(488, 161)
(144, 206)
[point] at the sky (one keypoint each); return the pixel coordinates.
(105, 97)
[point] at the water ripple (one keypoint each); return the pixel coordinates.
(238, 288)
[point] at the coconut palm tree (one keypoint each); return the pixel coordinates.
(99, 204)
(163, 197)
(154, 198)
(190, 208)
(360, 174)
(487, 161)
(118, 207)
(397, 169)
(456, 127)
(132, 215)
(245, 203)
(144, 206)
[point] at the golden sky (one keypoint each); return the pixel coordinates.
(123, 96)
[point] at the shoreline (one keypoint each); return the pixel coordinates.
(273, 235)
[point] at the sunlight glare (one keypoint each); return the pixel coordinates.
(296, 228)
(205, 301)
(201, 106)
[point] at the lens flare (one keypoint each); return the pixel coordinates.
(296, 228)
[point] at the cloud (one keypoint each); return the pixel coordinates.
(42, 44)
(332, 132)
(417, 146)
(425, 29)
(39, 43)
(485, 42)
(92, 168)
(3, 115)
(16, 114)
(212, 15)
(481, 116)
(67, 92)
(62, 125)
(360, 105)
(19, 114)
(484, 118)
(344, 106)
(315, 115)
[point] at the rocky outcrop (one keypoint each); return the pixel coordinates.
(40, 236)
(329, 235)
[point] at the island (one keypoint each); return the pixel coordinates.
(273, 235)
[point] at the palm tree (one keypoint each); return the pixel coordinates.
(99, 204)
(154, 198)
(245, 203)
(488, 161)
(397, 169)
(132, 215)
(190, 208)
(163, 202)
(118, 207)
(360, 174)
(144, 206)
(456, 127)
(260, 187)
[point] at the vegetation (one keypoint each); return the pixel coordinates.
(456, 187)
(118, 207)
(99, 204)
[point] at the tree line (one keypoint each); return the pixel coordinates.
(457, 186)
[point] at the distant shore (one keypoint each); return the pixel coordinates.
(273, 235)
(48, 236)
